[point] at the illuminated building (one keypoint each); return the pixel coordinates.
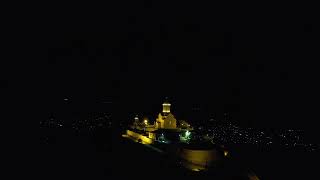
(166, 119)
(177, 139)
(164, 129)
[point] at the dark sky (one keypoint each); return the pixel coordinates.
(257, 64)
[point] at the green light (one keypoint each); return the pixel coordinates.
(187, 134)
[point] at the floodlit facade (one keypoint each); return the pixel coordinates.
(166, 121)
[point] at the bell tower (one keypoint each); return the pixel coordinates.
(166, 106)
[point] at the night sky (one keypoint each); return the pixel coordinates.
(259, 64)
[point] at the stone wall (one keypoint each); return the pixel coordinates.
(201, 158)
(140, 137)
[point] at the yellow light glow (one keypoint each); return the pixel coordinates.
(225, 153)
(146, 121)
